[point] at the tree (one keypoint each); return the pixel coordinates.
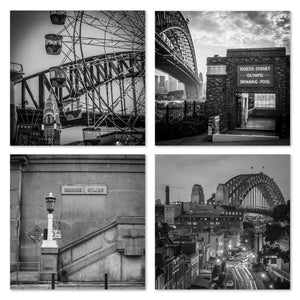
(281, 213)
(273, 232)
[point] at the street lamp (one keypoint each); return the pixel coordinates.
(218, 260)
(50, 204)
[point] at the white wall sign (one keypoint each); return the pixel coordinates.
(93, 189)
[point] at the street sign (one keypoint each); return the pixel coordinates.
(56, 234)
(91, 189)
(36, 234)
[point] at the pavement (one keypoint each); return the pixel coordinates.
(79, 286)
(203, 140)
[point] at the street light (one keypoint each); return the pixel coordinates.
(218, 260)
(50, 204)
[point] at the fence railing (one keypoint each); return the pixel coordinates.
(25, 266)
(168, 111)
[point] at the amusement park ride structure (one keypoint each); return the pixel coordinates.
(99, 83)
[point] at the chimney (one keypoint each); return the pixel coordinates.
(167, 195)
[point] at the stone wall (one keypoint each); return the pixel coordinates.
(17, 164)
(77, 215)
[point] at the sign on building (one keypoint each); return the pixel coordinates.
(36, 234)
(93, 189)
(216, 70)
(255, 75)
(56, 234)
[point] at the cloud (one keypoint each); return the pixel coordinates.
(240, 29)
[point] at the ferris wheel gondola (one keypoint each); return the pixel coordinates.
(58, 17)
(53, 44)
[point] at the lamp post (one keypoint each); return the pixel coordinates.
(50, 204)
(49, 248)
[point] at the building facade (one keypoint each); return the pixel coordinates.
(250, 89)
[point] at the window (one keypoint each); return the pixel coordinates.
(265, 101)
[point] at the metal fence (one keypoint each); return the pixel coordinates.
(169, 111)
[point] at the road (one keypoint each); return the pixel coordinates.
(241, 277)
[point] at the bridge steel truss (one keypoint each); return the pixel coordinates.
(174, 50)
(240, 186)
(101, 71)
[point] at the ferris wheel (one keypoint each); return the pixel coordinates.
(101, 74)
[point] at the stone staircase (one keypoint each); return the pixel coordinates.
(105, 250)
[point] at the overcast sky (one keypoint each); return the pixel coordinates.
(213, 32)
(28, 30)
(181, 172)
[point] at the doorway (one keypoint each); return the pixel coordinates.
(256, 111)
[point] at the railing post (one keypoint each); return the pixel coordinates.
(17, 272)
(185, 109)
(53, 281)
(105, 281)
(167, 113)
(194, 109)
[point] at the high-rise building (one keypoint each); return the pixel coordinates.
(156, 84)
(222, 194)
(201, 84)
(173, 84)
(197, 195)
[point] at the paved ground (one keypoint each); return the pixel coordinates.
(77, 286)
(203, 140)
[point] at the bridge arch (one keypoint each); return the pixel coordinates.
(241, 185)
(174, 49)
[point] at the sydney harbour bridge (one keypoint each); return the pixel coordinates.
(174, 50)
(254, 193)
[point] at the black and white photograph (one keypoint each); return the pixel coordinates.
(222, 77)
(203, 200)
(222, 222)
(77, 78)
(77, 222)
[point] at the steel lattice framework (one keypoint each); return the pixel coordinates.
(241, 185)
(175, 53)
(102, 61)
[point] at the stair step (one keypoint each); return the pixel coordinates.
(89, 259)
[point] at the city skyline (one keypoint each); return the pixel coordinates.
(181, 172)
